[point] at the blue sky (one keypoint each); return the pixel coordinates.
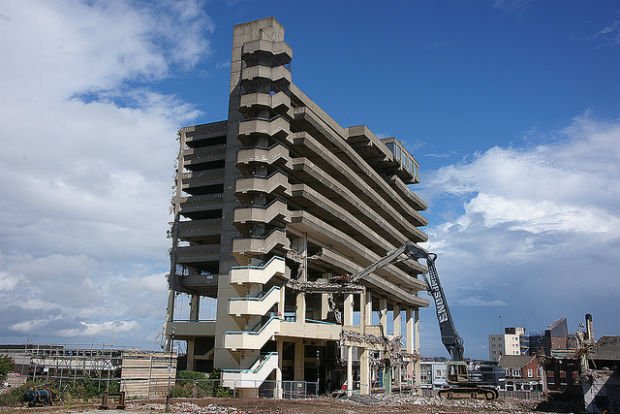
(511, 108)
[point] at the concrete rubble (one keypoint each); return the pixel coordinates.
(440, 404)
(185, 408)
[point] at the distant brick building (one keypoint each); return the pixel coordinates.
(523, 372)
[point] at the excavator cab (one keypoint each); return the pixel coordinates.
(457, 372)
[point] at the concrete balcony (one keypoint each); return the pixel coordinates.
(235, 340)
(198, 254)
(276, 154)
(394, 228)
(254, 305)
(204, 178)
(189, 328)
(275, 127)
(204, 133)
(208, 229)
(252, 377)
(197, 204)
(274, 74)
(275, 210)
(280, 102)
(280, 49)
(330, 137)
(205, 285)
(351, 248)
(260, 245)
(258, 274)
(201, 155)
(311, 330)
(275, 182)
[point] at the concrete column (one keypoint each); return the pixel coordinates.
(191, 350)
(383, 312)
(194, 308)
(368, 309)
(299, 361)
(279, 349)
(362, 312)
(365, 372)
(409, 339)
(416, 346)
(170, 317)
(282, 300)
(396, 318)
(349, 370)
(348, 309)
(300, 309)
(324, 305)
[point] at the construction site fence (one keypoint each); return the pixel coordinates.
(157, 388)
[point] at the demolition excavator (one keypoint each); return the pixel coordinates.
(459, 382)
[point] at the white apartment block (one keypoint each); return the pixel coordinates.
(508, 343)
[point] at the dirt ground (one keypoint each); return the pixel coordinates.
(413, 405)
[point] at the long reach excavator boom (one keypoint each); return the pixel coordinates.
(449, 335)
(457, 375)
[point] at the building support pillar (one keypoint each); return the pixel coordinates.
(279, 349)
(409, 340)
(365, 372)
(383, 312)
(349, 370)
(299, 361)
(324, 305)
(282, 300)
(348, 309)
(416, 346)
(170, 317)
(300, 309)
(397, 318)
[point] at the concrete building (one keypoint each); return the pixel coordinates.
(274, 206)
(512, 342)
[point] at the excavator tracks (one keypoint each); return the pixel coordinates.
(480, 393)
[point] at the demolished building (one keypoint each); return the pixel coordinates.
(274, 207)
(600, 370)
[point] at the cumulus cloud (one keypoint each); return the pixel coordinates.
(99, 329)
(87, 160)
(534, 231)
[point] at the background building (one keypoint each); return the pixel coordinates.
(512, 342)
(273, 208)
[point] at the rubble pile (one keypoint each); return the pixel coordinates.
(191, 408)
(512, 406)
(186, 408)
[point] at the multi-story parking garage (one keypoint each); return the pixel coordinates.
(272, 205)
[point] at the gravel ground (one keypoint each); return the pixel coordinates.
(357, 405)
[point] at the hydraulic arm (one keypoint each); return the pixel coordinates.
(449, 335)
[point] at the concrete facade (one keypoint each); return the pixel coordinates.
(279, 196)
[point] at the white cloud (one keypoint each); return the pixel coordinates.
(30, 326)
(88, 151)
(107, 328)
(478, 301)
(568, 185)
(535, 229)
(7, 281)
